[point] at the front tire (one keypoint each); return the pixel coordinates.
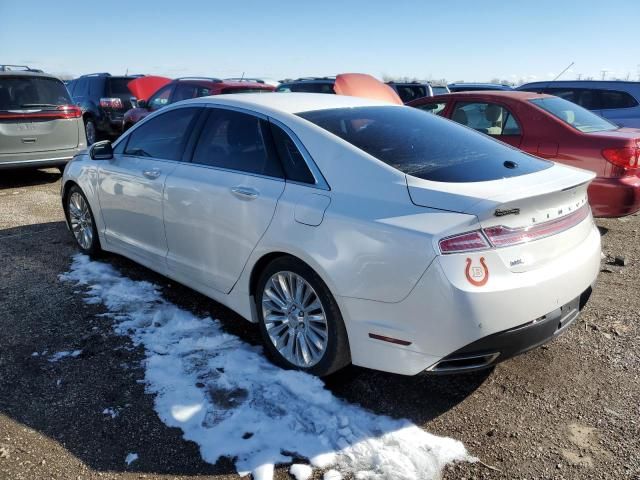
(81, 221)
(299, 319)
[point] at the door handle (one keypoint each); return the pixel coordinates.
(152, 173)
(246, 193)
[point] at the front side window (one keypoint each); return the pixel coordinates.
(25, 92)
(424, 146)
(161, 98)
(435, 108)
(236, 141)
(574, 115)
(163, 136)
(489, 118)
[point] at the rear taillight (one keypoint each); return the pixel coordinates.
(501, 236)
(626, 157)
(62, 111)
(465, 242)
(111, 103)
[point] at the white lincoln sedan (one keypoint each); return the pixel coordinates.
(350, 230)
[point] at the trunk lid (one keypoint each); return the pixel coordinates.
(31, 119)
(514, 202)
(142, 88)
(366, 86)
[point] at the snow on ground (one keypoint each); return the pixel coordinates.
(231, 401)
(60, 355)
(132, 457)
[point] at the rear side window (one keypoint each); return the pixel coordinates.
(295, 167)
(616, 99)
(163, 136)
(236, 141)
(489, 118)
(307, 87)
(24, 92)
(425, 146)
(574, 115)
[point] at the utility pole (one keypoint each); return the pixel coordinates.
(604, 72)
(579, 76)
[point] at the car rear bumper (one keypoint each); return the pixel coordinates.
(495, 348)
(53, 158)
(615, 197)
(445, 315)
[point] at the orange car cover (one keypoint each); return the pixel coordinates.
(142, 88)
(366, 86)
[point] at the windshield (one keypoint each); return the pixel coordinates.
(424, 145)
(25, 92)
(574, 115)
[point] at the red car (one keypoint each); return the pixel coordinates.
(154, 93)
(556, 129)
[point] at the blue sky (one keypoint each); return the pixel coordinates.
(459, 40)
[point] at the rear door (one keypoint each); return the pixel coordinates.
(30, 118)
(131, 185)
(496, 120)
(218, 206)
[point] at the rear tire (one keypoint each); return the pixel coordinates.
(81, 221)
(304, 328)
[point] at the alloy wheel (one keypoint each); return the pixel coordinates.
(80, 219)
(295, 319)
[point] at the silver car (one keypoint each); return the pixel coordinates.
(39, 126)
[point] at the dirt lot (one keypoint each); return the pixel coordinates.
(568, 410)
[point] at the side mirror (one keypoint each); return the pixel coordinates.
(101, 150)
(142, 103)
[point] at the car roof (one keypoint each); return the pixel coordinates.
(497, 94)
(289, 102)
(478, 84)
(26, 73)
(582, 83)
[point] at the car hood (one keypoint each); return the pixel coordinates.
(366, 86)
(142, 88)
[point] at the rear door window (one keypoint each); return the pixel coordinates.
(237, 141)
(485, 117)
(164, 136)
(312, 87)
(293, 162)
(411, 92)
(425, 146)
(29, 92)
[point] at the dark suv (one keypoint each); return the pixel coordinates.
(104, 99)
(308, 85)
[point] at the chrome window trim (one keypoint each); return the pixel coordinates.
(320, 181)
(231, 170)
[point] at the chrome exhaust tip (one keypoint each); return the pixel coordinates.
(464, 363)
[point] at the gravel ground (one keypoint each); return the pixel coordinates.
(567, 410)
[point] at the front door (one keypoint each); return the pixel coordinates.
(131, 186)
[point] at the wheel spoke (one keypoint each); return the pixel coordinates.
(275, 299)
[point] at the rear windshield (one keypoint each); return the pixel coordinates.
(24, 92)
(574, 115)
(117, 86)
(424, 145)
(307, 87)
